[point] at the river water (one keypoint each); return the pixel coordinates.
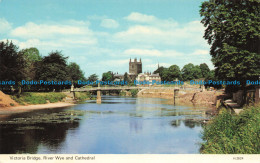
(120, 125)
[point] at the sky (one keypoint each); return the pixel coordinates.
(102, 35)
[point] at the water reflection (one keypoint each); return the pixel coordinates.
(26, 139)
(118, 125)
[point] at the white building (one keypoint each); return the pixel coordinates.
(148, 77)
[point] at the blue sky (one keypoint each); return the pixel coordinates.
(102, 35)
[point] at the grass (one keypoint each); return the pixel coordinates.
(39, 98)
(233, 134)
(81, 96)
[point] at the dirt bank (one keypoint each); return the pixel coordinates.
(20, 109)
(9, 106)
(184, 96)
(156, 93)
(6, 101)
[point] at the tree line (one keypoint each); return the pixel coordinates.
(188, 72)
(28, 64)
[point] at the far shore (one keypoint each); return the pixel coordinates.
(21, 109)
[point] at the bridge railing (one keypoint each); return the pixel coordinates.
(131, 87)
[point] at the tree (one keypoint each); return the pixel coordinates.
(204, 70)
(75, 72)
(108, 76)
(190, 72)
(32, 54)
(53, 68)
(171, 73)
(126, 78)
(93, 77)
(232, 30)
(32, 58)
(11, 62)
(159, 70)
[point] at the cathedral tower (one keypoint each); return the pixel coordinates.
(135, 67)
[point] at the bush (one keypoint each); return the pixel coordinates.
(134, 92)
(233, 134)
(122, 94)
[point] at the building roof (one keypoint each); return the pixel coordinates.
(155, 75)
(118, 75)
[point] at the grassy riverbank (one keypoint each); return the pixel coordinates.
(82, 96)
(39, 98)
(233, 134)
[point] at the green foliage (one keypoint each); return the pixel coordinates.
(12, 62)
(32, 55)
(39, 98)
(81, 96)
(171, 73)
(232, 30)
(75, 72)
(93, 77)
(233, 134)
(122, 94)
(53, 67)
(32, 59)
(126, 78)
(28, 64)
(134, 92)
(191, 72)
(160, 71)
(205, 71)
(107, 76)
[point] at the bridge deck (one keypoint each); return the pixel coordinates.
(119, 88)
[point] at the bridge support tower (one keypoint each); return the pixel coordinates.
(99, 94)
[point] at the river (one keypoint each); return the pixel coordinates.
(120, 125)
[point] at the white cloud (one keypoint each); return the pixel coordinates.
(161, 32)
(200, 52)
(48, 31)
(138, 17)
(5, 26)
(109, 23)
(151, 20)
(54, 36)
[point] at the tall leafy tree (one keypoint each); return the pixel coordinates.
(12, 62)
(171, 73)
(126, 78)
(160, 71)
(32, 58)
(107, 76)
(75, 72)
(93, 77)
(53, 68)
(32, 54)
(232, 30)
(204, 70)
(190, 72)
